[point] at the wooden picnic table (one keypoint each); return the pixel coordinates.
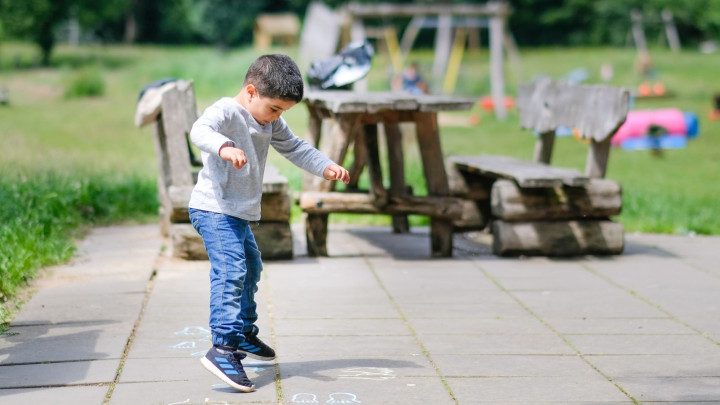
(356, 117)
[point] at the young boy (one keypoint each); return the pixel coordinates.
(234, 135)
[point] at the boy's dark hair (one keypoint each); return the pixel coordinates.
(276, 76)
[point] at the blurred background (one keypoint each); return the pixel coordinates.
(71, 72)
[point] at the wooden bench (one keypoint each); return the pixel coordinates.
(171, 110)
(533, 208)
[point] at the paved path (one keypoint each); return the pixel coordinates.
(379, 322)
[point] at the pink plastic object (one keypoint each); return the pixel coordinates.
(638, 123)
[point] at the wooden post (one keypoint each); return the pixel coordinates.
(341, 138)
(313, 138)
(377, 190)
(638, 32)
(671, 31)
(497, 34)
(437, 183)
(397, 167)
(316, 234)
(544, 147)
(359, 157)
(597, 158)
(443, 40)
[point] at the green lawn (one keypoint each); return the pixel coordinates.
(49, 140)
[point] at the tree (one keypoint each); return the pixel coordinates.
(36, 20)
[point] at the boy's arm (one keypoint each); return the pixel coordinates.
(205, 132)
(303, 155)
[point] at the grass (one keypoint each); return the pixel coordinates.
(72, 162)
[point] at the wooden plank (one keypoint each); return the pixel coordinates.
(497, 79)
(396, 159)
(316, 202)
(359, 157)
(600, 198)
(411, 10)
(316, 234)
(178, 115)
(525, 174)
(377, 190)
(313, 138)
(597, 111)
(544, 147)
(342, 101)
(474, 217)
(597, 159)
(557, 238)
(428, 138)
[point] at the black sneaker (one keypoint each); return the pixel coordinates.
(221, 361)
(254, 347)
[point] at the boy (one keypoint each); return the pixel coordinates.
(233, 135)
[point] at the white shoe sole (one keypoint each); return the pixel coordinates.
(219, 374)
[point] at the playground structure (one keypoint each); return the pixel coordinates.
(454, 24)
(284, 27)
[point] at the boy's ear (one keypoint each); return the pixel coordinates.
(251, 90)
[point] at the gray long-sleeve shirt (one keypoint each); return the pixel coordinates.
(224, 189)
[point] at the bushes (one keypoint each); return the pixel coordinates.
(85, 82)
(41, 213)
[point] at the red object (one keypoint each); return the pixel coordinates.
(486, 103)
(644, 89)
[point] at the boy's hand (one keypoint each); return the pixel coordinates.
(234, 155)
(336, 172)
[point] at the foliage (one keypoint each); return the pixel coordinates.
(42, 213)
(85, 82)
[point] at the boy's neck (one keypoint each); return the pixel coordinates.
(242, 98)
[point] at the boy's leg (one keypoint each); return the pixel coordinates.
(252, 345)
(224, 238)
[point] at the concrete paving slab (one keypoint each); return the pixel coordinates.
(643, 344)
(672, 389)
(369, 367)
(64, 342)
(504, 390)
(349, 346)
(202, 391)
(521, 325)
(73, 395)
(606, 303)
(341, 327)
(665, 365)
(59, 373)
(496, 306)
(495, 344)
(410, 390)
(503, 365)
(619, 326)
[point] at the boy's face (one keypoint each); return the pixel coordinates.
(266, 109)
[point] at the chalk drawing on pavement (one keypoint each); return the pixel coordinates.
(368, 373)
(343, 398)
(304, 398)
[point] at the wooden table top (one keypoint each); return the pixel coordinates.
(343, 101)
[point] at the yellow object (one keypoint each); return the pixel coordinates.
(456, 55)
(393, 49)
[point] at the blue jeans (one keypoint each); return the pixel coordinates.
(235, 267)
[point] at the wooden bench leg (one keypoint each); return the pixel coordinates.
(441, 234)
(316, 226)
(441, 231)
(397, 168)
